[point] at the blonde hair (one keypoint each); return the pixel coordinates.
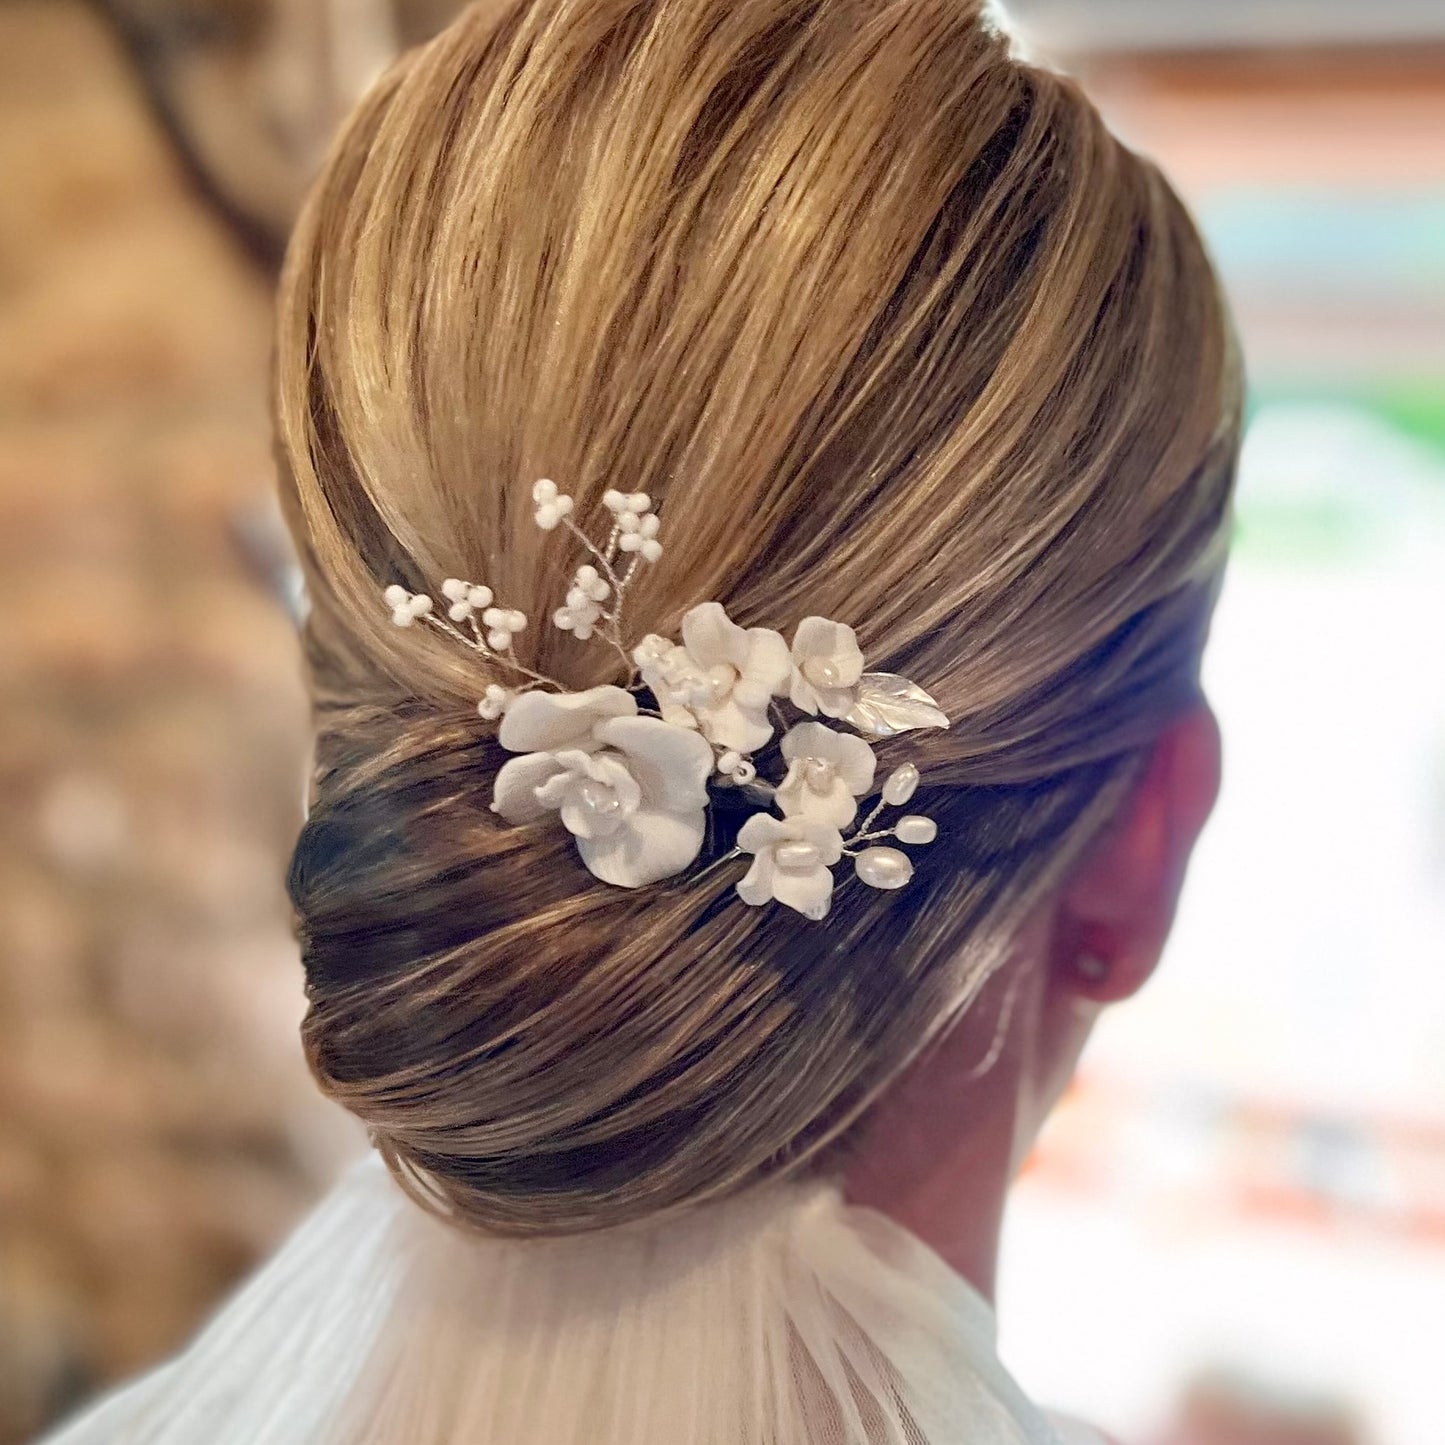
(894, 331)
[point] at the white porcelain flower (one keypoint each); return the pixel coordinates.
(720, 679)
(792, 859)
(827, 663)
(827, 773)
(631, 790)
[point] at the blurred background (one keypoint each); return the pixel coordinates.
(1234, 1232)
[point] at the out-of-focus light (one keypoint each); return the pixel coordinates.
(1080, 26)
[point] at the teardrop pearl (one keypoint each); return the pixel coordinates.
(798, 855)
(901, 785)
(915, 828)
(884, 867)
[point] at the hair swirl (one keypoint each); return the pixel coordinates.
(894, 331)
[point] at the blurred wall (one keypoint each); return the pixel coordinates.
(157, 1130)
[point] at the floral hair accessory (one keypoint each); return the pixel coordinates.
(636, 773)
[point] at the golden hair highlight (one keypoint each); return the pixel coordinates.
(894, 331)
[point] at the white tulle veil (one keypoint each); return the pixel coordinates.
(783, 1317)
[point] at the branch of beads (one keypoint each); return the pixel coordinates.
(878, 865)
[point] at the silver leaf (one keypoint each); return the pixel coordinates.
(888, 705)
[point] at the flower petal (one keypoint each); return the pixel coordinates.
(514, 794)
(671, 764)
(850, 755)
(847, 655)
(654, 844)
(813, 637)
(810, 891)
(756, 888)
(540, 722)
(834, 809)
(811, 740)
(802, 693)
(712, 637)
(766, 670)
(761, 831)
(856, 763)
(731, 725)
(827, 840)
(836, 701)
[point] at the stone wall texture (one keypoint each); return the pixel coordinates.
(157, 1129)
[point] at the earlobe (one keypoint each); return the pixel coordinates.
(1115, 914)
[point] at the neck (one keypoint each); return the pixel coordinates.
(945, 1185)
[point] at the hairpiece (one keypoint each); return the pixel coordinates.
(632, 771)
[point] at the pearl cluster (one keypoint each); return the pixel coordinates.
(407, 608)
(469, 602)
(884, 867)
(502, 624)
(583, 609)
(553, 507)
(466, 598)
(637, 524)
(603, 580)
(495, 701)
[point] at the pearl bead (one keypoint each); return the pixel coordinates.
(454, 589)
(884, 867)
(598, 799)
(396, 596)
(797, 855)
(819, 775)
(901, 785)
(915, 828)
(480, 597)
(720, 680)
(638, 503)
(544, 491)
(499, 641)
(729, 760)
(821, 673)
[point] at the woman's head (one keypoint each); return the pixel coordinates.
(893, 331)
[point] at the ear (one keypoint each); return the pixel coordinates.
(1115, 913)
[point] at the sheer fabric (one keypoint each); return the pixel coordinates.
(781, 1318)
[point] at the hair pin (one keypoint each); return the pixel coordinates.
(630, 771)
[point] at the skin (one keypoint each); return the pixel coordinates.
(946, 1142)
